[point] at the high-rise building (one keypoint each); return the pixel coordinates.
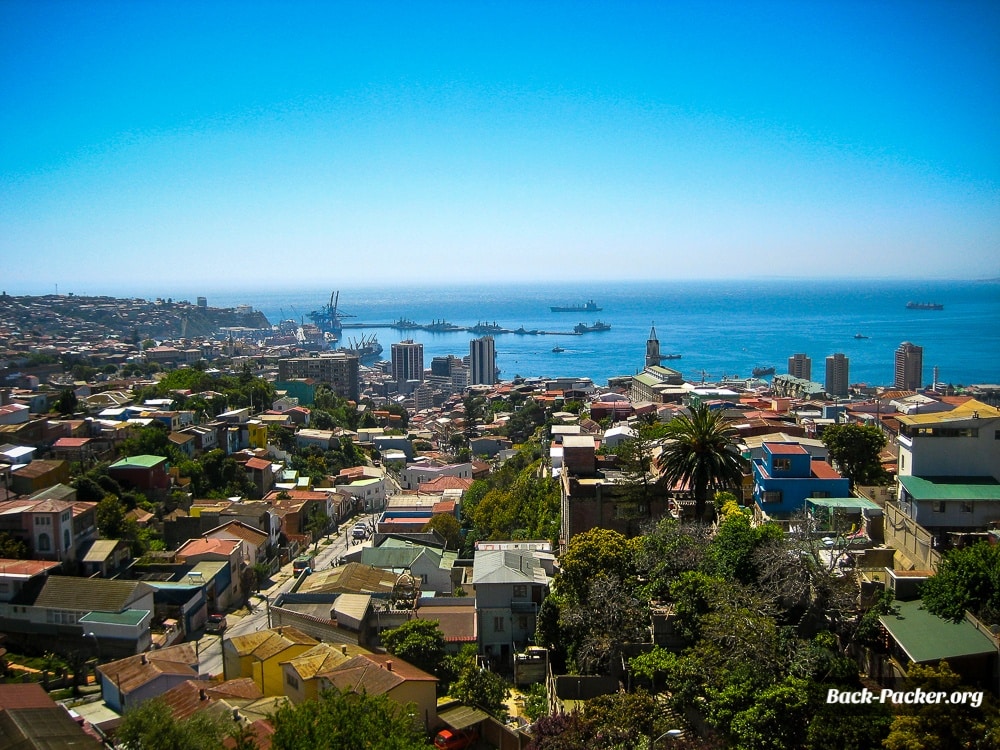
(653, 357)
(909, 367)
(837, 378)
(482, 361)
(407, 361)
(339, 370)
(800, 366)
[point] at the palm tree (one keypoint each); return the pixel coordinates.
(698, 451)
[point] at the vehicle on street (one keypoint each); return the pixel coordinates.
(302, 562)
(360, 530)
(455, 739)
(216, 624)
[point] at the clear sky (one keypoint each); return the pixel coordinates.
(300, 143)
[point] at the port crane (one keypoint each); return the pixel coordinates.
(329, 317)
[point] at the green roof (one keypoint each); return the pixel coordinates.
(128, 617)
(951, 488)
(853, 503)
(925, 637)
(138, 462)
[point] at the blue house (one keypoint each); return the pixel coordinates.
(786, 476)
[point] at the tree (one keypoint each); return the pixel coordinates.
(110, 518)
(731, 551)
(603, 623)
(479, 687)
(67, 402)
(698, 452)
(855, 450)
(151, 726)
(966, 579)
(342, 719)
(447, 526)
(12, 548)
(590, 553)
(419, 642)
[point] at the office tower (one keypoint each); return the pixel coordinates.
(407, 361)
(482, 361)
(837, 367)
(800, 366)
(909, 367)
(653, 357)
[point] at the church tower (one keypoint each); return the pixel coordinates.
(653, 356)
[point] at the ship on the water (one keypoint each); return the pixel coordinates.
(598, 326)
(588, 306)
(480, 328)
(924, 306)
(860, 336)
(365, 349)
(670, 356)
(442, 326)
(557, 349)
(759, 372)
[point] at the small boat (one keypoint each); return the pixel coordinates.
(860, 336)
(924, 306)
(558, 349)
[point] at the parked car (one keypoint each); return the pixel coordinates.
(360, 530)
(455, 739)
(216, 624)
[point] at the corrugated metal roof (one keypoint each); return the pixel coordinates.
(463, 717)
(925, 637)
(952, 488)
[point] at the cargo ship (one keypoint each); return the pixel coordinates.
(598, 326)
(924, 306)
(588, 306)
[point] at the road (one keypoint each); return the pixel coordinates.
(210, 645)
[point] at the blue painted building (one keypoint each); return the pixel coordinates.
(786, 476)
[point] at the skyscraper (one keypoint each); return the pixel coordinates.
(407, 361)
(800, 366)
(837, 368)
(909, 367)
(482, 361)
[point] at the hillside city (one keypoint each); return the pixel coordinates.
(218, 533)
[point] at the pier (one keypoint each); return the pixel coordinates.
(441, 326)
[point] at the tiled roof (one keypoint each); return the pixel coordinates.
(28, 695)
(203, 546)
(135, 671)
(374, 674)
(26, 568)
(274, 642)
(322, 657)
(243, 531)
(258, 464)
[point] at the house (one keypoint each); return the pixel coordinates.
(510, 586)
(30, 719)
(60, 612)
(786, 476)
(51, 523)
(963, 442)
(261, 473)
(943, 504)
(128, 682)
(301, 673)
(141, 472)
(383, 674)
(431, 566)
(255, 541)
(916, 636)
(105, 557)
(222, 561)
(38, 475)
(16, 574)
(259, 656)
(416, 474)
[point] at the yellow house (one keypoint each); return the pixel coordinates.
(257, 435)
(259, 656)
(383, 674)
(301, 674)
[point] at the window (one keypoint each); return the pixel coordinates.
(938, 507)
(782, 464)
(498, 624)
(774, 496)
(522, 622)
(292, 680)
(44, 543)
(520, 591)
(66, 543)
(820, 493)
(966, 507)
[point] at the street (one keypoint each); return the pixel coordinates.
(210, 644)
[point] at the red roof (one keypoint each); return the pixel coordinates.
(203, 546)
(259, 464)
(26, 568)
(823, 470)
(70, 442)
(785, 449)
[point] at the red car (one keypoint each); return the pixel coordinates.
(449, 739)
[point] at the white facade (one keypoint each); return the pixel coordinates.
(964, 442)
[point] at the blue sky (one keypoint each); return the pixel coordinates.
(325, 144)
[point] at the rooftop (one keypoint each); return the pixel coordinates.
(925, 637)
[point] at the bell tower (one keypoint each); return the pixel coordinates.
(653, 356)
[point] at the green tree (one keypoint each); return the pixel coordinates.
(855, 450)
(110, 517)
(698, 452)
(536, 701)
(67, 402)
(11, 548)
(603, 623)
(731, 553)
(598, 551)
(966, 579)
(343, 719)
(151, 726)
(447, 526)
(479, 687)
(419, 642)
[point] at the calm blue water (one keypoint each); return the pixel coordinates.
(719, 328)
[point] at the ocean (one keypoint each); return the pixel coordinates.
(718, 327)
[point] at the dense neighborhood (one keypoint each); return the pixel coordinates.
(229, 530)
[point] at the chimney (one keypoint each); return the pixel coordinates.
(202, 695)
(279, 631)
(388, 665)
(343, 649)
(143, 659)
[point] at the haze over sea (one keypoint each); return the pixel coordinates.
(719, 327)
